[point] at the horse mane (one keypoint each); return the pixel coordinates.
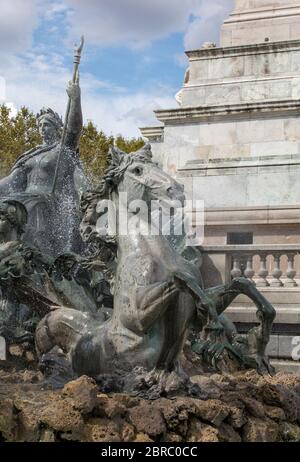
(118, 162)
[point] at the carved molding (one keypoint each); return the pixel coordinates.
(229, 112)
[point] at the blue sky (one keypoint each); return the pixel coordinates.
(133, 61)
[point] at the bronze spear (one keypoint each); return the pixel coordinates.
(77, 58)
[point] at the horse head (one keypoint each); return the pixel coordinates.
(142, 179)
(138, 178)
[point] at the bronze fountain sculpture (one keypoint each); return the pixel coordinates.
(157, 294)
(153, 279)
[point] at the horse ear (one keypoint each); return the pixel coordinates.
(144, 151)
(115, 155)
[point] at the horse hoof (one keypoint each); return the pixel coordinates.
(56, 369)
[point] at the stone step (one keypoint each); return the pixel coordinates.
(284, 347)
(290, 367)
(284, 297)
(247, 314)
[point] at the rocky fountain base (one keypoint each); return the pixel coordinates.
(240, 407)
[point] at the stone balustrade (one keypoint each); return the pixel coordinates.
(273, 266)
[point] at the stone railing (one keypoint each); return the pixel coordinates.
(265, 265)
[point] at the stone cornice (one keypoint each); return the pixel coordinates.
(153, 134)
(223, 166)
(272, 215)
(263, 13)
(254, 49)
(229, 112)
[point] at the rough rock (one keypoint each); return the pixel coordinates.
(254, 407)
(290, 381)
(275, 413)
(61, 416)
(47, 436)
(228, 435)
(7, 419)
(126, 400)
(289, 432)
(147, 419)
(280, 396)
(260, 431)
(127, 432)
(207, 385)
(237, 415)
(108, 407)
(29, 411)
(102, 430)
(83, 392)
(172, 438)
(143, 438)
(262, 410)
(212, 411)
(203, 433)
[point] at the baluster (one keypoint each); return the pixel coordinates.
(277, 273)
(291, 272)
(263, 272)
(249, 271)
(236, 270)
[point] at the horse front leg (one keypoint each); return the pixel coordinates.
(205, 301)
(152, 302)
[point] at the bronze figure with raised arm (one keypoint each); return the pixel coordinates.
(48, 180)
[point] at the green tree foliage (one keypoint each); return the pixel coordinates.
(20, 133)
(94, 146)
(17, 135)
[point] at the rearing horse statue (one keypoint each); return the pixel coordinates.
(157, 291)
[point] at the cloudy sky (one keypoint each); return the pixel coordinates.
(133, 60)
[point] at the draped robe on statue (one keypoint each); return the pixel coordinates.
(53, 219)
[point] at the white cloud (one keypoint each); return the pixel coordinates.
(2, 89)
(206, 25)
(17, 22)
(181, 59)
(133, 23)
(35, 82)
(37, 77)
(12, 108)
(55, 9)
(126, 113)
(137, 23)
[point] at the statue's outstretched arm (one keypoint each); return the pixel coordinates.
(74, 125)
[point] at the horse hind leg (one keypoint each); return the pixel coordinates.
(258, 337)
(250, 351)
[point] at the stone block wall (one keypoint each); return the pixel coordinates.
(243, 74)
(253, 21)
